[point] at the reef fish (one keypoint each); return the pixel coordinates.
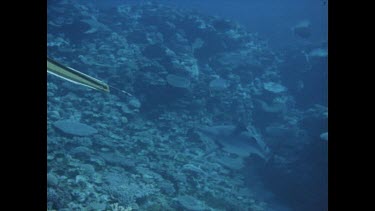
(302, 29)
(74, 76)
(236, 140)
(316, 53)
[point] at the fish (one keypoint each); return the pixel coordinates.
(316, 53)
(302, 29)
(218, 84)
(324, 136)
(236, 140)
(74, 128)
(75, 76)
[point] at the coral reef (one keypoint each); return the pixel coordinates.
(185, 70)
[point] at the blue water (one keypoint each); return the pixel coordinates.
(228, 105)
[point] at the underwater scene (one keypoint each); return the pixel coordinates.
(196, 105)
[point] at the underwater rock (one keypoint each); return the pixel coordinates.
(279, 131)
(118, 160)
(187, 64)
(74, 128)
(270, 108)
(190, 203)
(178, 81)
(135, 103)
(154, 51)
(218, 84)
(198, 43)
(222, 25)
(233, 60)
(274, 87)
(81, 152)
(97, 206)
(125, 109)
(166, 187)
(124, 120)
(52, 180)
(125, 190)
(231, 163)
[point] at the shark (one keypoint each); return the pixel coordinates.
(236, 140)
